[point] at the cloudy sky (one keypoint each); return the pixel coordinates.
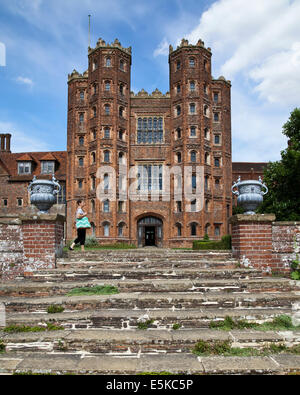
(255, 44)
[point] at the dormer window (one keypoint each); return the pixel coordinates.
(24, 168)
(48, 167)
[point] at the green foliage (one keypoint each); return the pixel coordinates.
(96, 290)
(206, 237)
(282, 322)
(91, 241)
(295, 275)
(283, 177)
(23, 328)
(295, 266)
(145, 325)
(176, 326)
(237, 210)
(224, 244)
(54, 309)
(2, 346)
(212, 348)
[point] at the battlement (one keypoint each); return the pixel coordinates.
(76, 75)
(116, 44)
(185, 44)
(157, 94)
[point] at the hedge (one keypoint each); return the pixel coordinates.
(224, 244)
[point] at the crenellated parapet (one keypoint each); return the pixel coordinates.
(157, 94)
(185, 44)
(116, 44)
(76, 75)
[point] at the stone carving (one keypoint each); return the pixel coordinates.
(250, 194)
(43, 193)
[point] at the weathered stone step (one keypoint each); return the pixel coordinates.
(156, 301)
(174, 263)
(129, 319)
(83, 364)
(137, 342)
(87, 273)
(33, 289)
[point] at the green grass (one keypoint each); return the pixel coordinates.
(96, 290)
(23, 328)
(282, 322)
(54, 309)
(145, 325)
(204, 348)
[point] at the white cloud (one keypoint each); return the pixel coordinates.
(21, 142)
(162, 49)
(24, 80)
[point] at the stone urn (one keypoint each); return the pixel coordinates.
(250, 194)
(43, 193)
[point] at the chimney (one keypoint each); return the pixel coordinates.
(5, 143)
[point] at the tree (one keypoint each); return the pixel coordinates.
(283, 177)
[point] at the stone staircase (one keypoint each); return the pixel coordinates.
(175, 294)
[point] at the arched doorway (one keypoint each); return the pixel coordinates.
(150, 231)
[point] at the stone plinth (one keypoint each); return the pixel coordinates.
(252, 239)
(29, 243)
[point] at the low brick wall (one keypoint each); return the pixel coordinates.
(258, 241)
(29, 243)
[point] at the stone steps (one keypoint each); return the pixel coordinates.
(128, 342)
(36, 289)
(161, 287)
(142, 274)
(129, 319)
(142, 301)
(86, 364)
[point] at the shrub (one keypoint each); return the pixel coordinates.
(54, 309)
(224, 244)
(91, 241)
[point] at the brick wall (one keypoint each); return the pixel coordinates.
(259, 241)
(30, 243)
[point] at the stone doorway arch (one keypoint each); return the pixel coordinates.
(150, 231)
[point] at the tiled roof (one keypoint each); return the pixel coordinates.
(248, 166)
(10, 163)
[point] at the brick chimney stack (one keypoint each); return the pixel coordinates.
(5, 143)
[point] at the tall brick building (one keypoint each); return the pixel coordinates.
(109, 127)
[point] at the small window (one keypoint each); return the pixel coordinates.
(193, 156)
(217, 230)
(108, 62)
(178, 65)
(192, 108)
(48, 167)
(106, 156)
(81, 118)
(179, 207)
(5, 202)
(122, 89)
(206, 134)
(93, 206)
(121, 207)
(178, 88)
(24, 168)
(94, 134)
(107, 86)
(217, 162)
(216, 97)
(217, 139)
(192, 62)
(193, 229)
(81, 141)
(178, 132)
(121, 230)
(19, 202)
(121, 112)
(82, 95)
(217, 183)
(193, 131)
(93, 182)
(107, 109)
(93, 157)
(106, 229)
(192, 86)
(94, 89)
(207, 205)
(80, 184)
(106, 133)
(178, 156)
(106, 206)
(206, 182)
(178, 110)
(80, 162)
(106, 182)
(94, 112)
(122, 65)
(179, 229)
(121, 134)
(216, 117)
(207, 158)
(206, 111)
(95, 65)
(194, 181)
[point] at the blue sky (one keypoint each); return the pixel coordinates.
(255, 44)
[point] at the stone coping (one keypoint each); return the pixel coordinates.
(252, 218)
(286, 223)
(42, 217)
